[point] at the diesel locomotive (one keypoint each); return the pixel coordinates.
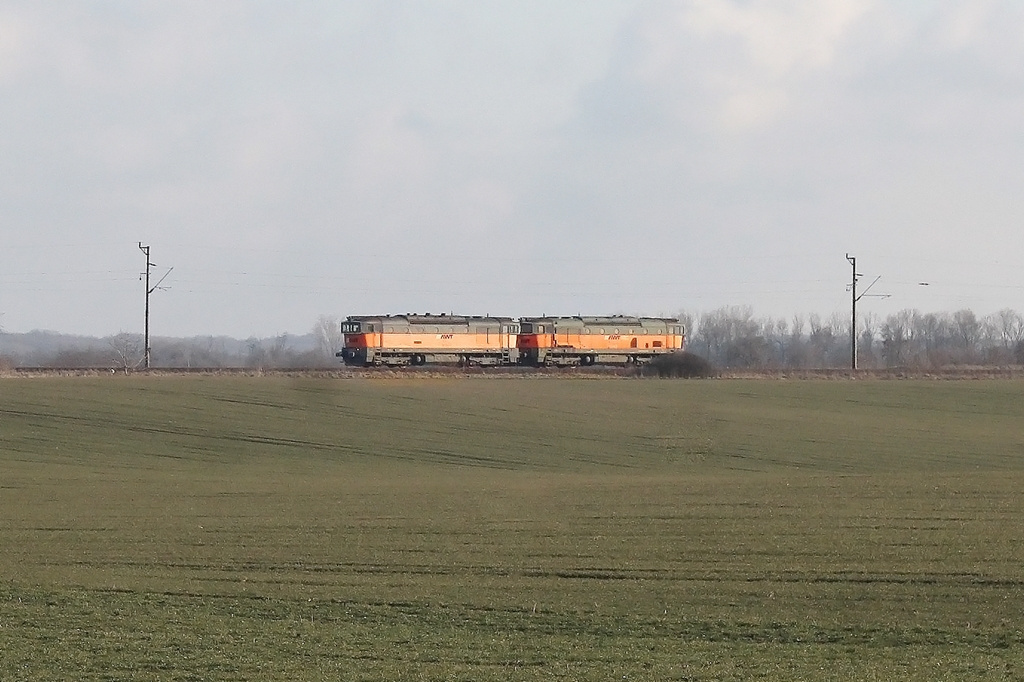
(396, 340)
(566, 341)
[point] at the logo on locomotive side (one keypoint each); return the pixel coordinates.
(446, 336)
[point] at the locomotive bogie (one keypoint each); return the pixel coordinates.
(576, 358)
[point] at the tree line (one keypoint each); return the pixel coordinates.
(125, 351)
(728, 337)
(733, 337)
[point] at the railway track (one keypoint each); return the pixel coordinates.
(949, 373)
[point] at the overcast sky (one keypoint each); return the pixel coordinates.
(324, 157)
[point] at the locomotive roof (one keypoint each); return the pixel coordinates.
(620, 320)
(427, 318)
(562, 321)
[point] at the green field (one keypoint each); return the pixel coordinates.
(274, 528)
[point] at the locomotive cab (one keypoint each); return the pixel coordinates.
(358, 340)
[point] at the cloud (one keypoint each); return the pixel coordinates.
(460, 144)
(741, 63)
(16, 39)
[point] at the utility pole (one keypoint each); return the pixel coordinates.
(145, 347)
(149, 290)
(853, 318)
(854, 298)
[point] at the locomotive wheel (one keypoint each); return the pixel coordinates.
(586, 360)
(418, 360)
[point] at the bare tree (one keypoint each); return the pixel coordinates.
(896, 337)
(1009, 325)
(968, 330)
(712, 334)
(824, 341)
(931, 330)
(866, 345)
(329, 338)
(5, 362)
(128, 351)
(689, 326)
(265, 354)
(721, 329)
(774, 333)
(749, 352)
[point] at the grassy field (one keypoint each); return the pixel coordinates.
(232, 528)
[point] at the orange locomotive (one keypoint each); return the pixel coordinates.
(564, 341)
(396, 340)
(418, 339)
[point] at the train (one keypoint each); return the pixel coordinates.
(473, 340)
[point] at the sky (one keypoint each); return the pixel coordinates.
(287, 161)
